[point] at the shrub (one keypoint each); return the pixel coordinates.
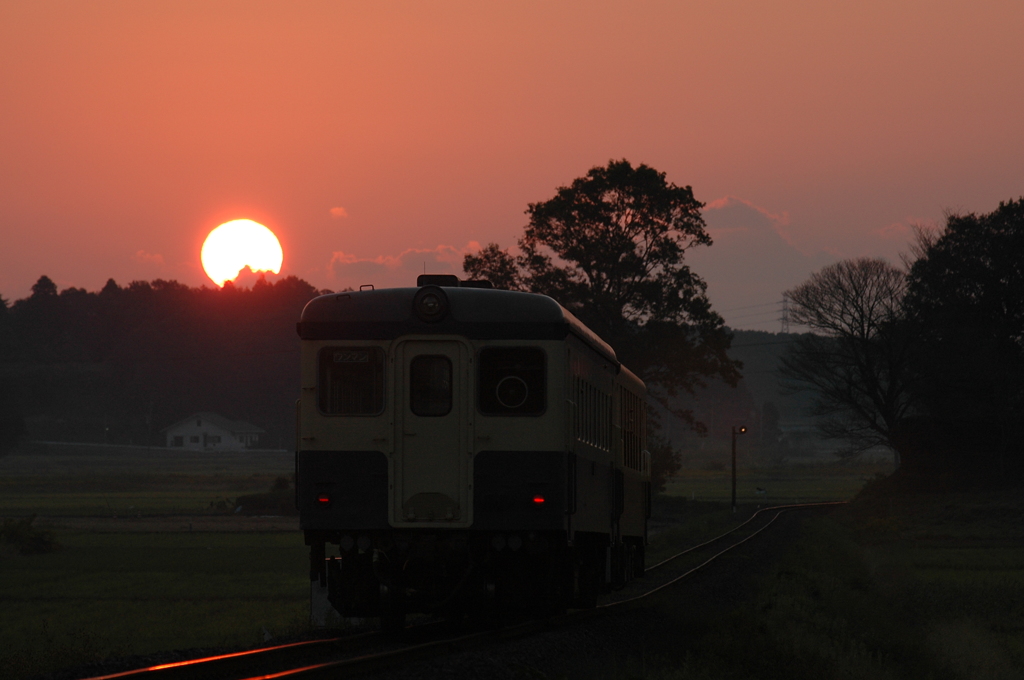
(27, 539)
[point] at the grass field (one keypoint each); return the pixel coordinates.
(122, 588)
(899, 585)
(92, 481)
(788, 484)
(125, 593)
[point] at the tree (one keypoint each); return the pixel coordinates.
(966, 300)
(857, 357)
(611, 248)
(12, 424)
(137, 357)
(44, 288)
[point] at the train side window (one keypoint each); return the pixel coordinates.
(430, 385)
(634, 428)
(351, 381)
(512, 381)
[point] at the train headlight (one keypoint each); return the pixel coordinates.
(512, 391)
(430, 304)
(498, 542)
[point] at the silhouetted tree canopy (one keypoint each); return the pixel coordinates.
(857, 357)
(930, 363)
(966, 300)
(44, 288)
(611, 247)
(124, 362)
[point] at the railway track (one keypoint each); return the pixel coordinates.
(369, 652)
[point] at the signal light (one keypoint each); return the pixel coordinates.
(539, 500)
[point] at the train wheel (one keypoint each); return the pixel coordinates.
(585, 580)
(392, 611)
(639, 567)
(629, 566)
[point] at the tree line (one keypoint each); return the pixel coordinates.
(120, 364)
(926, 359)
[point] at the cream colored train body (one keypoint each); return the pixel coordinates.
(465, 448)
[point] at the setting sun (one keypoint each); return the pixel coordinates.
(239, 243)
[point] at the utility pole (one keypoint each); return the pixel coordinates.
(735, 431)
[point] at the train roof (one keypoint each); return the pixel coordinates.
(476, 313)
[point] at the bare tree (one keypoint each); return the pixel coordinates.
(926, 235)
(856, 358)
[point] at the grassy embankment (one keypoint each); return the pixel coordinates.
(118, 587)
(899, 584)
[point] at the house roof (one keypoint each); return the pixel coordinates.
(232, 426)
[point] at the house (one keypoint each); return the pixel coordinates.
(209, 431)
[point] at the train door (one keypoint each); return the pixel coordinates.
(432, 435)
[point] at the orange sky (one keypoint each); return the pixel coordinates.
(130, 129)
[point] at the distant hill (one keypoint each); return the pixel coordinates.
(778, 421)
(760, 352)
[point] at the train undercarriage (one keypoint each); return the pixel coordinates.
(458, 572)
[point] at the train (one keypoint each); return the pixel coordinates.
(464, 449)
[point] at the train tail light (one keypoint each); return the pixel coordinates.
(323, 500)
(538, 500)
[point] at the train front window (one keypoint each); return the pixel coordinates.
(512, 381)
(351, 381)
(430, 385)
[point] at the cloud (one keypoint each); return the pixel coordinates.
(735, 213)
(904, 230)
(733, 201)
(339, 212)
(752, 261)
(148, 258)
(401, 270)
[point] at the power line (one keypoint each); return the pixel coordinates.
(736, 309)
(772, 313)
(761, 344)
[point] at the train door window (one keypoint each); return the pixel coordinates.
(512, 381)
(351, 381)
(430, 385)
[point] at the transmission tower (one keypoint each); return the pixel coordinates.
(785, 313)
